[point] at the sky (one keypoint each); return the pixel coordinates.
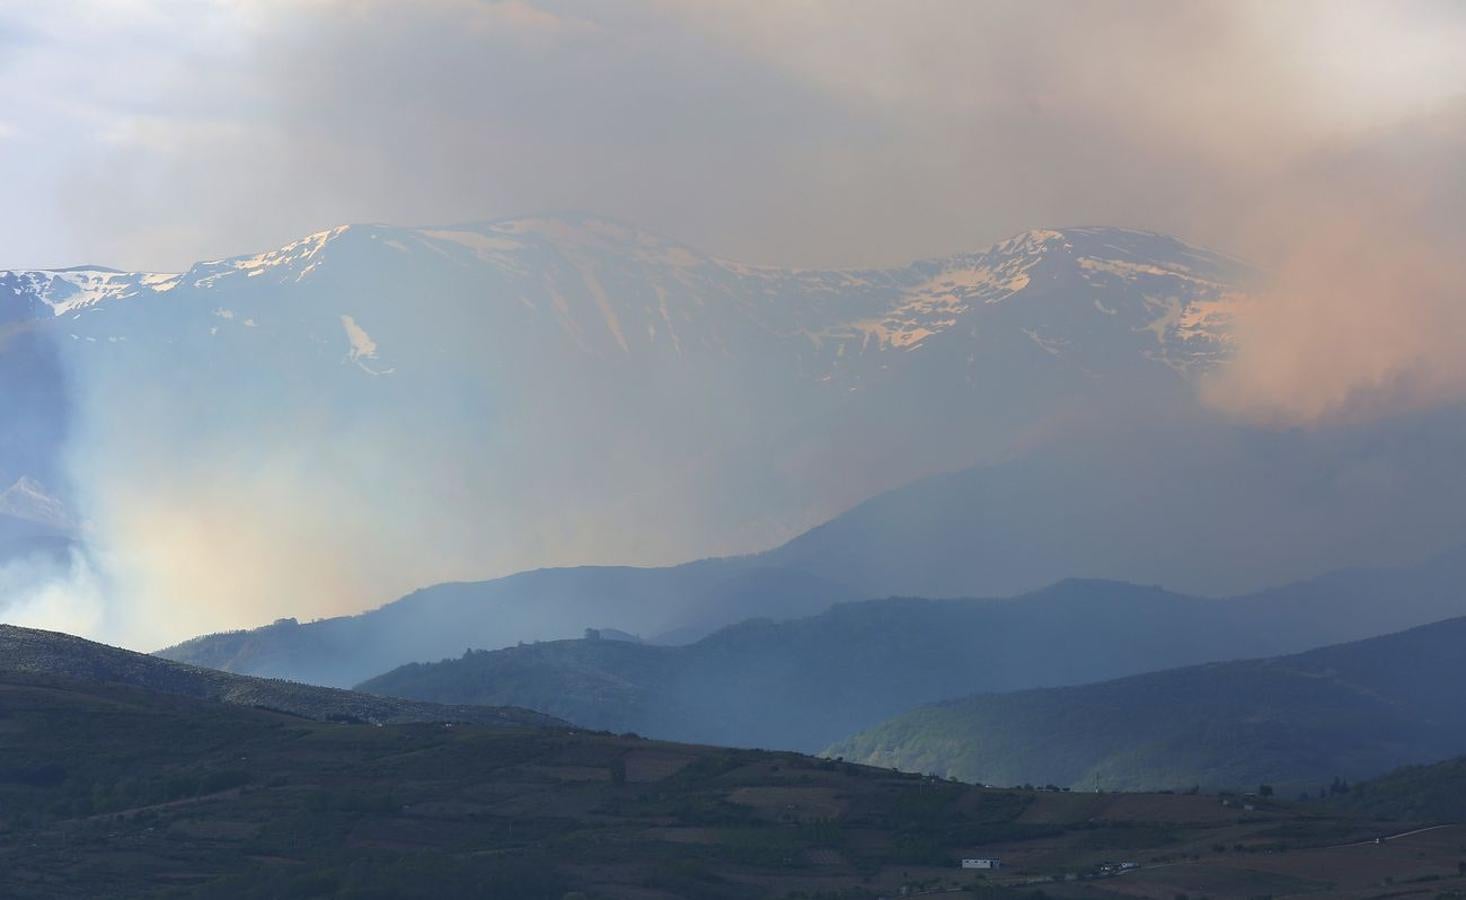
(148, 134)
(1321, 140)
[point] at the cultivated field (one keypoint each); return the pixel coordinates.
(114, 791)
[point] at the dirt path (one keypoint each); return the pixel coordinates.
(171, 804)
(1392, 837)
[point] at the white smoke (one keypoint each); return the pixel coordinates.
(56, 593)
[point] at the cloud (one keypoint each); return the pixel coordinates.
(812, 133)
(1316, 138)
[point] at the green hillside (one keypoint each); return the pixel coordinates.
(1352, 710)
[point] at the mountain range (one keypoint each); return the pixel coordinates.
(338, 422)
(682, 604)
(678, 603)
(478, 400)
(806, 683)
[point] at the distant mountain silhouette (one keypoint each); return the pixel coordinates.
(808, 682)
(1198, 508)
(682, 602)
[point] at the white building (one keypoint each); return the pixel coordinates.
(981, 863)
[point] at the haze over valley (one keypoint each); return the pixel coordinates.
(538, 448)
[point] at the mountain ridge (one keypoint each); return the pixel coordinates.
(689, 600)
(932, 294)
(804, 683)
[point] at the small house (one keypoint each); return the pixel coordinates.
(981, 863)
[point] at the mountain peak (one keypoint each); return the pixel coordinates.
(76, 288)
(293, 261)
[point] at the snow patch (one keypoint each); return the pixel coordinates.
(1131, 271)
(1052, 346)
(361, 347)
(483, 245)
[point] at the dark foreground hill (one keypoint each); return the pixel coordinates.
(1352, 711)
(194, 798)
(48, 653)
(805, 683)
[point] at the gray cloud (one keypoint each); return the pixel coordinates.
(813, 134)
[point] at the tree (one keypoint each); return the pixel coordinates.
(1264, 790)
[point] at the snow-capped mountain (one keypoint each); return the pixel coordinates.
(62, 291)
(555, 390)
(975, 345)
(602, 287)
